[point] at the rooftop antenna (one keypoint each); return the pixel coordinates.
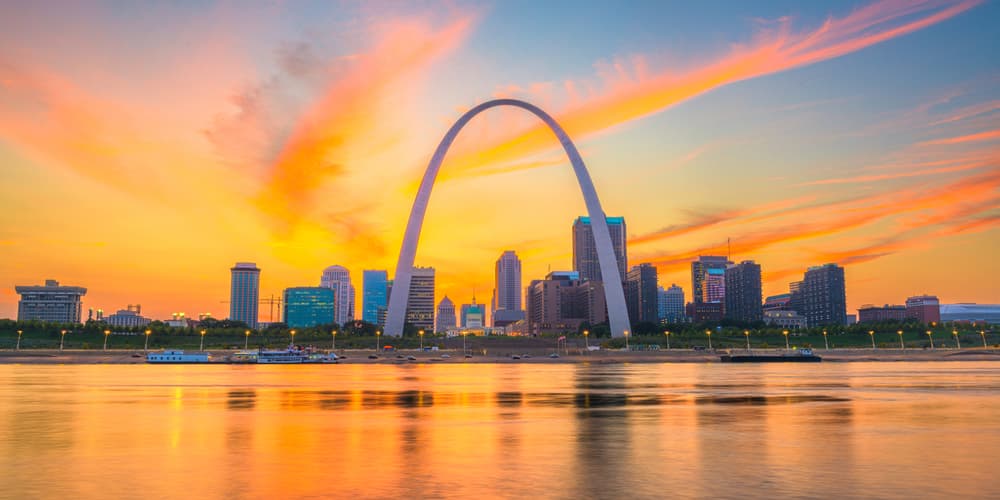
(729, 250)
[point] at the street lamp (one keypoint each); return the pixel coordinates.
(586, 342)
(145, 348)
(825, 342)
(746, 333)
(871, 333)
(667, 333)
(463, 342)
(901, 345)
(958, 341)
(709, 333)
(106, 333)
(246, 340)
(201, 347)
(378, 340)
(63, 339)
(333, 343)
(785, 333)
(626, 341)
(19, 332)
(930, 338)
(982, 334)
(421, 332)
(293, 336)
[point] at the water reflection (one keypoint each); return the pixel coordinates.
(570, 431)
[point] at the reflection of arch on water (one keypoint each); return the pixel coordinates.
(613, 292)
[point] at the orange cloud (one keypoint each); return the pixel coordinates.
(632, 97)
(980, 136)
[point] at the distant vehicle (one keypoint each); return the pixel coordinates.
(400, 356)
(136, 355)
(553, 355)
(699, 348)
(372, 356)
(525, 356)
(515, 357)
(411, 358)
(468, 355)
(445, 355)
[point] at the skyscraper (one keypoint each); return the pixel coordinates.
(375, 294)
(420, 304)
(821, 296)
(562, 302)
(708, 279)
(506, 306)
(585, 249)
(50, 302)
(339, 279)
(445, 315)
(641, 294)
(309, 306)
(244, 293)
(671, 304)
(743, 292)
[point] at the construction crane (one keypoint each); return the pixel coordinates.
(270, 301)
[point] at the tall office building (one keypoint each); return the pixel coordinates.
(708, 288)
(708, 279)
(309, 306)
(506, 306)
(585, 249)
(562, 302)
(821, 296)
(244, 293)
(50, 302)
(338, 278)
(420, 304)
(445, 315)
(671, 304)
(641, 294)
(375, 294)
(743, 292)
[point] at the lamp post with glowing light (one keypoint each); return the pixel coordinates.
(292, 332)
(145, 347)
(201, 347)
(586, 341)
(62, 340)
(746, 333)
(19, 332)
(421, 333)
(901, 345)
(709, 333)
(106, 333)
(667, 333)
(958, 341)
(333, 343)
(871, 333)
(378, 340)
(982, 333)
(785, 333)
(246, 340)
(826, 344)
(626, 341)
(930, 338)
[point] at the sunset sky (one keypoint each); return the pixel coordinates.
(145, 148)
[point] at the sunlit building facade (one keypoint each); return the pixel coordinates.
(375, 294)
(244, 293)
(309, 306)
(585, 259)
(420, 304)
(50, 302)
(338, 278)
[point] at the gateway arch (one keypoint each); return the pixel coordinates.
(613, 292)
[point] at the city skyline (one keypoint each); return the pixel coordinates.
(829, 150)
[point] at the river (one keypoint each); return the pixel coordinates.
(831, 430)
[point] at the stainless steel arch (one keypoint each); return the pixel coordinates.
(613, 293)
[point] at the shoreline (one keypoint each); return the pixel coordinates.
(536, 356)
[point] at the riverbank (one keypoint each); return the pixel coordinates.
(536, 356)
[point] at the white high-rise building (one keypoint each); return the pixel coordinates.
(671, 304)
(506, 306)
(339, 279)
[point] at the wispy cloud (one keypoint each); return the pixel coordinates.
(630, 95)
(976, 137)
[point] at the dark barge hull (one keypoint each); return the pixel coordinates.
(770, 359)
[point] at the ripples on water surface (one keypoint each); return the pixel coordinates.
(850, 430)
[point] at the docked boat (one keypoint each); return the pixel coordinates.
(798, 356)
(171, 357)
(292, 356)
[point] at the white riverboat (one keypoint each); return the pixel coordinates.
(168, 357)
(293, 356)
